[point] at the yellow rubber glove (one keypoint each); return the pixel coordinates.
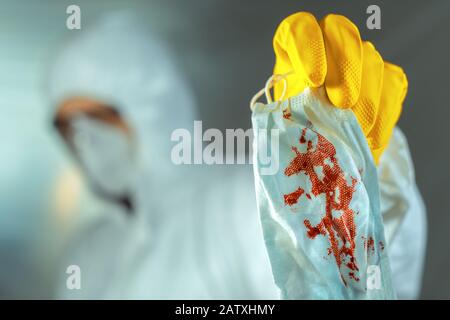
(331, 54)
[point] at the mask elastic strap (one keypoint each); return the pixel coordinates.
(266, 90)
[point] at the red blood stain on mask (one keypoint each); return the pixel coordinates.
(292, 198)
(337, 222)
(352, 275)
(369, 244)
(287, 114)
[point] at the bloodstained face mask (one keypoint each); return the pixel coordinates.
(320, 211)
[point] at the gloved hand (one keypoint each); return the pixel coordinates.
(332, 54)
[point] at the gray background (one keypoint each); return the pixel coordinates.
(224, 48)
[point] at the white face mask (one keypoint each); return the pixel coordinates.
(320, 211)
(106, 155)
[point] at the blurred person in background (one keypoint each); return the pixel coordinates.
(147, 228)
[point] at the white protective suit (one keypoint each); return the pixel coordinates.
(404, 216)
(194, 232)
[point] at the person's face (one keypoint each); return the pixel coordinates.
(90, 108)
(101, 141)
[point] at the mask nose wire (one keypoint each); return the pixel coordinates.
(266, 90)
